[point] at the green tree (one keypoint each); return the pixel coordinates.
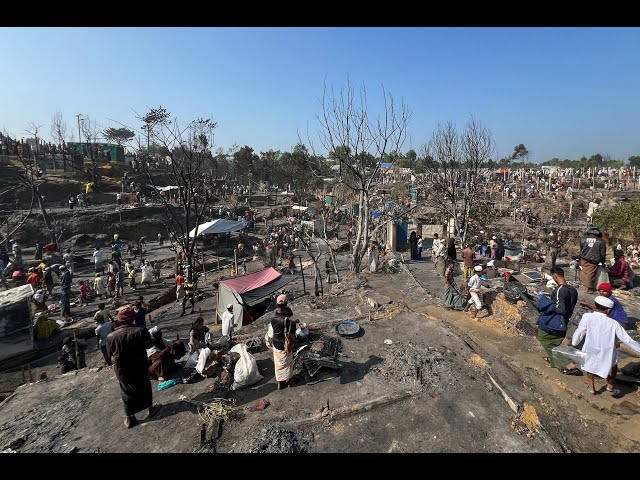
(520, 153)
(118, 135)
(621, 221)
(245, 161)
(634, 161)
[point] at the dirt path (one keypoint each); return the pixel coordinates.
(565, 411)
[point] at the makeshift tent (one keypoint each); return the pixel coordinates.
(16, 328)
(220, 225)
(249, 290)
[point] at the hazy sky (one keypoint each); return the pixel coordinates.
(563, 92)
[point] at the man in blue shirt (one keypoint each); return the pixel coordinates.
(618, 313)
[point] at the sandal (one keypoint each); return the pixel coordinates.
(613, 392)
(569, 371)
(592, 392)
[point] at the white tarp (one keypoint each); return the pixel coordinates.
(220, 225)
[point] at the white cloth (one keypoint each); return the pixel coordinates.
(475, 298)
(437, 247)
(474, 283)
(227, 323)
(601, 332)
(147, 274)
(97, 257)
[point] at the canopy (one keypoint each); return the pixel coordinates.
(249, 290)
(220, 225)
(167, 188)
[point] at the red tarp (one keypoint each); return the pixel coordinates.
(251, 281)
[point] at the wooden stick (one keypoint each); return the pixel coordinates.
(349, 410)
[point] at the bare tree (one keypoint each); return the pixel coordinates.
(189, 151)
(360, 144)
(453, 171)
(59, 133)
(31, 180)
(91, 131)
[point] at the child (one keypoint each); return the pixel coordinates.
(84, 292)
(132, 278)
(111, 284)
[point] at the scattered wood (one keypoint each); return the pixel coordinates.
(349, 410)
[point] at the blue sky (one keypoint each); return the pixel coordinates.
(563, 92)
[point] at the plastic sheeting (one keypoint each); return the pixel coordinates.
(220, 225)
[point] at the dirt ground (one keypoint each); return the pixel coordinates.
(376, 404)
(418, 378)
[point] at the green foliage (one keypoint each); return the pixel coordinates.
(634, 161)
(596, 160)
(519, 152)
(118, 135)
(621, 221)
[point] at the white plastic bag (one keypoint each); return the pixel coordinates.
(246, 370)
(601, 275)
(268, 337)
(202, 359)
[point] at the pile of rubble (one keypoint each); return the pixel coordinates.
(419, 365)
(274, 439)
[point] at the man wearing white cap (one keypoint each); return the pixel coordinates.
(227, 320)
(474, 290)
(601, 332)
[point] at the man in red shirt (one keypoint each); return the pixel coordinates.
(34, 279)
(179, 287)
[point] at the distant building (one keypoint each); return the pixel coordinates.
(102, 151)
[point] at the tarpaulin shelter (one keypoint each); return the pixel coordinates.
(16, 327)
(219, 225)
(249, 290)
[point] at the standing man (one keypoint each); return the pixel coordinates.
(593, 251)
(179, 287)
(282, 358)
(436, 248)
(128, 346)
(468, 255)
(601, 332)
(499, 250)
(554, 247)
(65, 300)
(189, 296)
(38, 252)
(68, 259)
(97, 259)
(555, 312)
(227, 321)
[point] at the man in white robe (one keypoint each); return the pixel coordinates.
(601, 332)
